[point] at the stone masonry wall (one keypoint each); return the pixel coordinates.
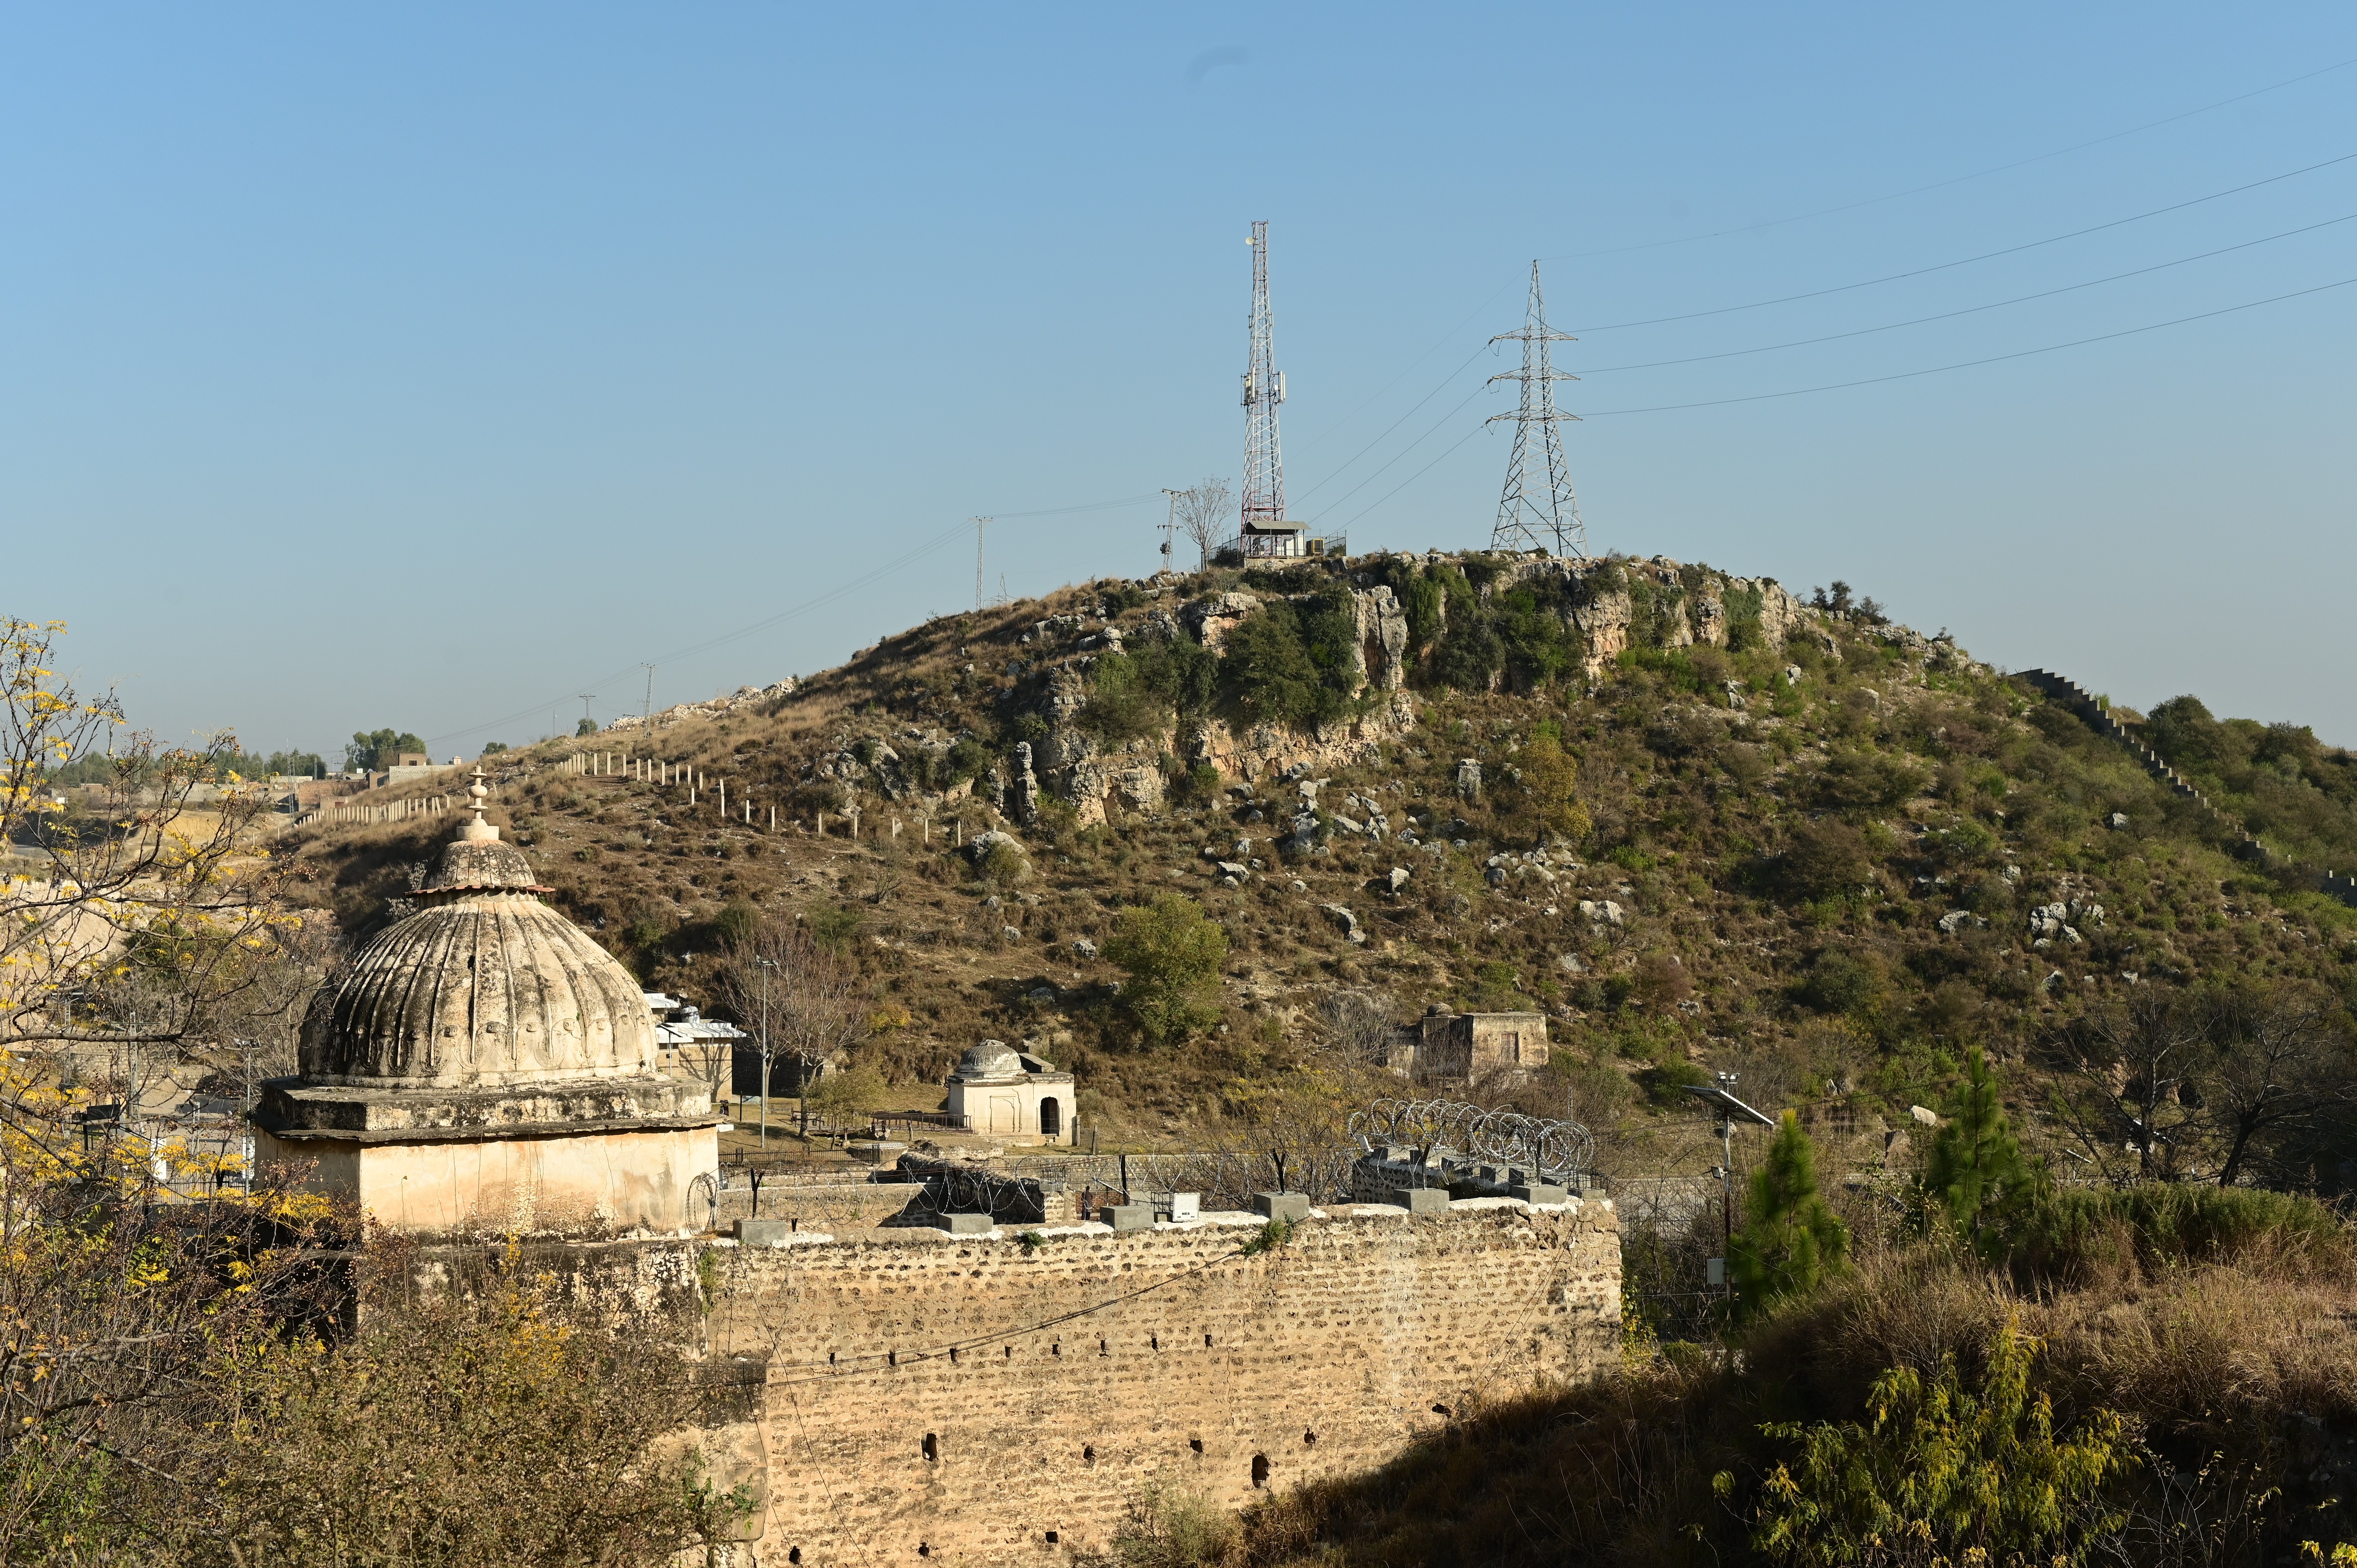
(973, 1399)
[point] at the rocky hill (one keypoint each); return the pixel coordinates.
(1794, 840)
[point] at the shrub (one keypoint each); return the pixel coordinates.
(1549, 776)
(1864, 779)
(1836, 983)
(735, 921)
(1946, 1472)
(1790, 1242)
(1665, 1084)
(1662, 981)
(2070, 1231)
(1976, 1179)
(1824, 858)
(1172, 954)
(1121, 707)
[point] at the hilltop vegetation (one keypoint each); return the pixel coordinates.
(1700, 824)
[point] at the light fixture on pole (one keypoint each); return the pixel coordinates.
(1720, 1097)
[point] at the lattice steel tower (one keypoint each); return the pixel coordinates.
(1263, 486)
(1528, 521)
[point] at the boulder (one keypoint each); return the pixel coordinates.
(1343, 917)
(980, 844)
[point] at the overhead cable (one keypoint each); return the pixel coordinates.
(1968, 261)
(1958, 179)
(1968, 364)
(1969, 309)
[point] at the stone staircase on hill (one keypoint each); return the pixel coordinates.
(2079, 700)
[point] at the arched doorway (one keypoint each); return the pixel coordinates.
(1051, 1118)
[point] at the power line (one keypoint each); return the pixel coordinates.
(1402, 452)
(1970, 309)
(1962, 179)
(1968, 261)
(854, 586)
(1968, 364)
(1870, 381)
(1344, 467)
(1417, 475)
(1446, 338)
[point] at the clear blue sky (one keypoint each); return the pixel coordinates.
(420, 366)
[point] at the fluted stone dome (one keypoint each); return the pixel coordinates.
(483, 987)
(988, 1062)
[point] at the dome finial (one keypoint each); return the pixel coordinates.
(477, 831)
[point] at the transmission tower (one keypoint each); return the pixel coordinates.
(1528, 521)
(979, 524)
(1264, 485)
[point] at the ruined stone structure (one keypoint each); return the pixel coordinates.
(483, 1066)
(1470, 1045)
(983, 1400)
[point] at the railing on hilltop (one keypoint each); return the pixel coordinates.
(1279, 546)
(2083, 702)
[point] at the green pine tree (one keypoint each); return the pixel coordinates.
(1791, 1241)
(1976, 1179)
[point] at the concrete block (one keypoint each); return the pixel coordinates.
(965, 1224)
(762, 1232)
(1291, 1206)
(1128, 1216)
(1419, 1199)
(1538, 1192)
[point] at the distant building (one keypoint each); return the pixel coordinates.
(406, 766)
(1011, 1095)
(1470, 1045)
(690, 1046)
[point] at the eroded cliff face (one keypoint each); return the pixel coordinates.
(1601, 607)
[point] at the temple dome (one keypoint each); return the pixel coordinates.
(483, 987)
(989, 1060)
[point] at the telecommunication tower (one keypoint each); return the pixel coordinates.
(1264, 486)
(1528, 520)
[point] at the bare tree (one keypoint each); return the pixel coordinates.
(2277, 1067)
(1361, 1027)
(2124, 1072)
(803, 1002)
(1203, 516)
(146, 903)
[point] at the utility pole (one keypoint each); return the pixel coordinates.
(1263, 486)
(979, 524)
(765, 966)
(587, 698)
(1523, 518)
(647, 714)
(1170, 524)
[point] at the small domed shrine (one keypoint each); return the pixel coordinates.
(1012, 1094)
(482, 1065)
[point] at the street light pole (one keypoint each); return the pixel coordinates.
(765, 966)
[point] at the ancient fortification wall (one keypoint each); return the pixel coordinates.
(975, 1399)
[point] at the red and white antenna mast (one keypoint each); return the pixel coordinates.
(1264, 486)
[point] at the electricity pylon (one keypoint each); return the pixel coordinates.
(1528, 521)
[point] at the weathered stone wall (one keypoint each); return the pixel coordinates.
(961, 1398)
(657, 1181)
(843, 1206)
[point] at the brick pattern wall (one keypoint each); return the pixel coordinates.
(1093, 1364)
